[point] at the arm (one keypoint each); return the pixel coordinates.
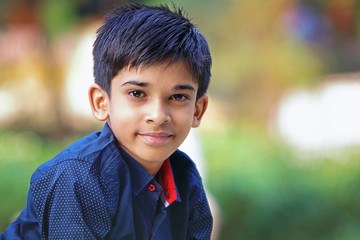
(24, 227)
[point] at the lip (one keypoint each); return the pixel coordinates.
(155, 138)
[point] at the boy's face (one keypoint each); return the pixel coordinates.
(151, 110)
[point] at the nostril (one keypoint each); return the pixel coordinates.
(158, 120)
(158, 112)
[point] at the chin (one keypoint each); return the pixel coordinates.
(156, 157)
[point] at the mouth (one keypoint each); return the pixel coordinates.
(155, 138)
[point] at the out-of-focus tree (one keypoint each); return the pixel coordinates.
(37, 39)
(255, 58)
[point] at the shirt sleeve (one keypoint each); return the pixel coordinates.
(201, 221)
(24, 227)
(70, 203)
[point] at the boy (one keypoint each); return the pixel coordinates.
(129, 181)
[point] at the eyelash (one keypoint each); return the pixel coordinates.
(140, 94)
(176, 96)
(137, 92)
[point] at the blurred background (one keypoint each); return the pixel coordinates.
(280, 139)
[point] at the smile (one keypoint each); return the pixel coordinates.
(155, 138)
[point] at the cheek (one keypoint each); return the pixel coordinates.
(125, 112)
(125, 123)
(184, 119)
(185, 114)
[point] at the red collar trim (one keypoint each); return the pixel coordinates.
(169, 194)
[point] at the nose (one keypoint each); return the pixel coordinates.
(157, 113)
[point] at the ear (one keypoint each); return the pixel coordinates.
(99, 102)
(200, 108)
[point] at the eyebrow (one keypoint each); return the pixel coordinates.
(184, 87)
(137, 83)
(145, 84)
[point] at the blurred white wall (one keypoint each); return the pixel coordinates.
(322, 119)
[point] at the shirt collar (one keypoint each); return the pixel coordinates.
(169, 192)
(140, 179)
(106, 135)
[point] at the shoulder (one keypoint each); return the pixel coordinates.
(86, 167)
(96, 152)
(182, 164)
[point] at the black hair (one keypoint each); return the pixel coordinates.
(139, 35)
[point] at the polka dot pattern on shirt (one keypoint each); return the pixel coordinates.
(200, 224)
(70, 200)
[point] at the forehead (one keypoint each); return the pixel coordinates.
(160, 73)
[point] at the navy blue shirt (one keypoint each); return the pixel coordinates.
(95, 190)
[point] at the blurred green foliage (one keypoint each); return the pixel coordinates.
(58, 16)
(266, 192)
(20, 154)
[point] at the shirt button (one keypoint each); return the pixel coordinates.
(152, 187)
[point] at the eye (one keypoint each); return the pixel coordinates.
(136, 94)
(179, 97)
